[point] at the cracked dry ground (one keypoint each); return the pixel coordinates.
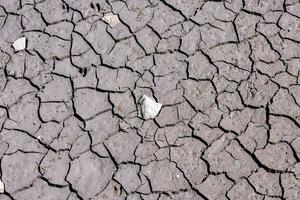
(226, 72)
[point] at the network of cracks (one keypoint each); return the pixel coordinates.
(73, 73)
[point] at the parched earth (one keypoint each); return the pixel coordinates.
(226, 72)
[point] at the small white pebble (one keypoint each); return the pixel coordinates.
(1, 187)
(150, 108)
(111, 19)
(177, 176)
(20, 44)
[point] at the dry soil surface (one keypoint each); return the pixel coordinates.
(227, 74)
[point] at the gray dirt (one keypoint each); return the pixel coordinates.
(226, 72)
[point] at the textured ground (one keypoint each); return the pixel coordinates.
(226, 72)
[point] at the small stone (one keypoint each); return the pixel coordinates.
(150, 108)
(1, 187)
(177, 176)
(20, 44)
(111, 19)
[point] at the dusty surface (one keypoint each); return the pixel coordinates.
(226, 72)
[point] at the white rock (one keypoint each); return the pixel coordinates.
(20, 44)
(150, 108)
(111, 19)
(1, 187)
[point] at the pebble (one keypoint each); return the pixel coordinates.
(20, 44)
(150, 108)
(111, 19)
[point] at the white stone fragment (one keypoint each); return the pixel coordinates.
(1, 187)
(111, 19)
(150, 108)
(20, 44)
